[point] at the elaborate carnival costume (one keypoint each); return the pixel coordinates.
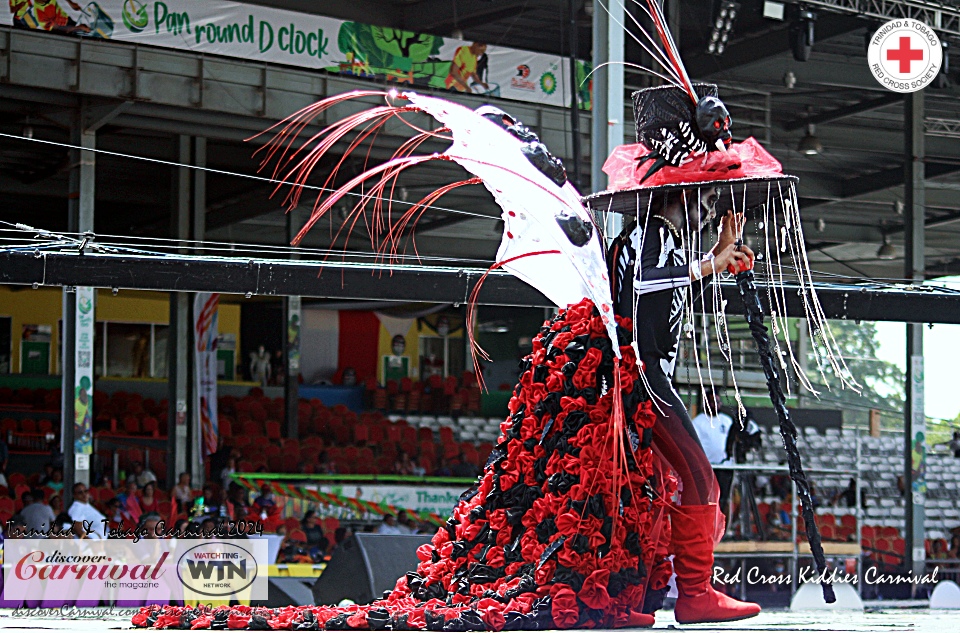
(597, 475)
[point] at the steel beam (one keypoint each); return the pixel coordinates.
(80, 219)
(178, 341)
(608, 126)
(829, 116)
(914, 423)
(428, 284)
(756, 48)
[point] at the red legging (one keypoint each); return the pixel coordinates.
(675, 439)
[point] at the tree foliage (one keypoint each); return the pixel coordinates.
(882, 382)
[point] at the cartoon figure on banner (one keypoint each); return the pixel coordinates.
(918, 463)
(83, 418)
(463, 75)
(50, 15)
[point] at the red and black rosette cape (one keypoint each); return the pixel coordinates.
(556, 533)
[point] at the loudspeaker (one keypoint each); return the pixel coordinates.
(284, 592)
(366, 565)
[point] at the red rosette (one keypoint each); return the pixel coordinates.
(493, 619)
(544, 574)
(424, 552)
(564, 607)
(594, 591)
(561, 340)
(237, 620)
(201, 622)
(586, 375)
(167, 620)
(140, 617)
(495, 557)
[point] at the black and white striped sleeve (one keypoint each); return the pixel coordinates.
(661, 263)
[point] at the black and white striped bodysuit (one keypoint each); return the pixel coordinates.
(660, 285)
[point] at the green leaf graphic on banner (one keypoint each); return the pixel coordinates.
(135, 15)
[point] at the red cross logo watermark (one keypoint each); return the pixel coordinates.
(905, 55)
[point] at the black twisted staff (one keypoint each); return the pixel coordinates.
(788, 432)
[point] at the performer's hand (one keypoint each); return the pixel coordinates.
(734, 259)
(731, 226)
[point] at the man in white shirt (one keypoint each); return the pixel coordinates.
(36, 513)
(143, 475)
(389, 525)
(87, 520)
(713, 426)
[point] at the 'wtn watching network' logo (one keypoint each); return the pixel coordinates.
(217, 569)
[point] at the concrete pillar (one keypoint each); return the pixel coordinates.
(608, 106)
(914, 423)
(199, 224)
(76, 440)
(178, 346)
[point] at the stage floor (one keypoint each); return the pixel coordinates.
(773, 621)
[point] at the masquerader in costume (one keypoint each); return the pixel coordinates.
(569, 525)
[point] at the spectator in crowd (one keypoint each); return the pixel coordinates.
(226, 475)
(324, 465)
(901, 487)
(713, 426)
(47, 474)
(17, 526)
(62, 526)
(37, 515)
(148, 498)
(317, 543)
(937, 551)
(954, 550)
(463, 468)
(114, 514)
(389, 525)
(443, 470)
(182, 493)
(265, 500)
(404, 465)
(340, 535)
(403, 521)
(56, 481)
(779, 485)
(848, 495)
(56, 504)
(143, 475)
(218, 461)
(130, 502)
(778, 521)
(87, 520)
(4, 457)
(237, 506)
(148, 525)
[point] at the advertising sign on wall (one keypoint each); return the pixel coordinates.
(264, 34)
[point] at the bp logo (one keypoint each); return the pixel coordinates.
(548, 83)
(135, 15)
(217, 569)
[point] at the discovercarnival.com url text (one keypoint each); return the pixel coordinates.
(73, 613)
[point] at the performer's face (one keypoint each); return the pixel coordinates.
(701, 207)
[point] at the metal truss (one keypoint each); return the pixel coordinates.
(407, 283)
(943, 17)
(947, 128)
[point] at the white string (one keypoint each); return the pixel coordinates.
(223, 172)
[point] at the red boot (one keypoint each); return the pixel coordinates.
(694, 528)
